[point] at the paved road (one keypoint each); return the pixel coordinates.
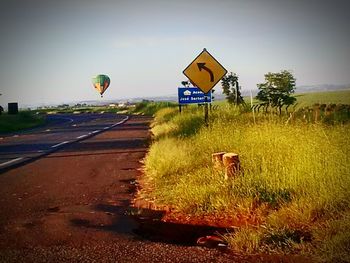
(74, 204)
(60, 129)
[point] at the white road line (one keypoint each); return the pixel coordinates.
(120, 122)
(105, 128)
(11, 161)
(82, 136)
(125, 119)
(69, 119)
(59, 144)
(95, 131)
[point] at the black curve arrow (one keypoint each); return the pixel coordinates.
(202, 66)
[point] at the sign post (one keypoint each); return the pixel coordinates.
(205, 72)
(206, 115)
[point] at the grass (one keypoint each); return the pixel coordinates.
(292, 195)
(337, 97)
(20, 121)
(150, 108)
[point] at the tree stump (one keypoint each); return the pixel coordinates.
(231, 164)
(217, 160)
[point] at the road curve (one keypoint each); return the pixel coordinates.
(61, 129)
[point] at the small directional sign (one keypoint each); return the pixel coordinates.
(205, 71)
(192, 95)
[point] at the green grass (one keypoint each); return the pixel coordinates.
(20, 121)
(336, 97)
(293, 190)
(150, 108)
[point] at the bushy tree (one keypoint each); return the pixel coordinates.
(185, 83)
(277, 89)
(231, 88)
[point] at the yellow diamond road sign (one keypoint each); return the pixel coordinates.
(205, 71)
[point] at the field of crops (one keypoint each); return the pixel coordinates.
(292, 194)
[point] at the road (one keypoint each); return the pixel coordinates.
(61, 129)
(75, 204)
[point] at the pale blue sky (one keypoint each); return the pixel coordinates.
(49, 50)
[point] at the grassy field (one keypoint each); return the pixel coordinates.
(337, 97)
(291, 196)
(145, 108)
(309, 99)
(20, 121)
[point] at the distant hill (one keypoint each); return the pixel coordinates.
(319, 88)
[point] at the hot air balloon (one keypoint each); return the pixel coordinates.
(101, 83)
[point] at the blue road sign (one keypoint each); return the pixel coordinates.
(193, 95)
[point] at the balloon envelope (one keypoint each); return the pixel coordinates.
(101, 83)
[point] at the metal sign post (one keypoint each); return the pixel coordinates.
(206, 112)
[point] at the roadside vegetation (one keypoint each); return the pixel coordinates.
(292, 194)
(150, 107)
(20, 121)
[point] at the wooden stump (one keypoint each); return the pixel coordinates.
(217, 160)
(231, 164)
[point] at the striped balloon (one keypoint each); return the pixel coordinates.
(101, 83)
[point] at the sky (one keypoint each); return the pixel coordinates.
(50, 50)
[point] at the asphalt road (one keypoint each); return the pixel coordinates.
(75, 204)
(61, 129)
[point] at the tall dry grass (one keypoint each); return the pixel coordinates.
(295, 177)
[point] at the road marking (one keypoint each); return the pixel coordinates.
(16, 135)
(70, 120)
(122, 121)
(59, 144)
(11, 161)
(95, 131)
(125, 119)
(82, 136)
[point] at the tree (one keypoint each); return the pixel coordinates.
(277, 89)
(185, 83)
(231, 88)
